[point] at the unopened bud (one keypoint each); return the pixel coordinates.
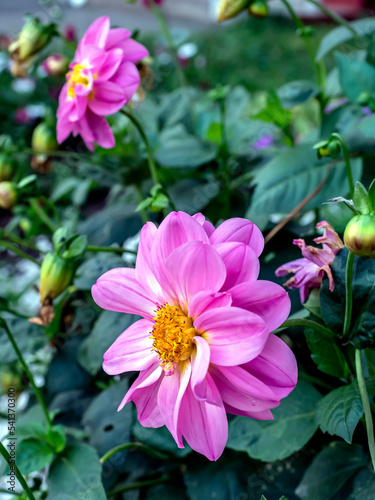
(334, 149)
(55, 276)
(7, 166)
(8, 195)
(44, 138)
(231, 8)
(33, 37)
(359, 236)
(55, 65)
(258, 9)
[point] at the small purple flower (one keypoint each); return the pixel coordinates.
(264, 142)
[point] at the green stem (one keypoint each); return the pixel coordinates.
(137, 486)
(138, 446)
(17, 472)
(18, 251)
(306, 323)
(27, 371)
(21, 241)
(348, 167)
(59, 154)
(151, 161)
(349, 294)
(46, 219)
(366, 405)
(93, 248)
(335, 17)
(10, 492)
(142, 212)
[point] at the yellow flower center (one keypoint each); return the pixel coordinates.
(173, 334)
(76, 77)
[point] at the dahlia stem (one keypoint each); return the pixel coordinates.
(136, 486)
(17, 473)
(335, 17)
(151, 161)
(46, 219)
(27, 371)
(366, 405)
(128, 446)
(349, 294)
(18, 251)
(308, 323)
(348, 167)
(93, 248)
(20, 241)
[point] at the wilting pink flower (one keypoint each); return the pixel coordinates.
(204, 347)
(70, 33)
(55, 65)
(309, 271)
(103, 78)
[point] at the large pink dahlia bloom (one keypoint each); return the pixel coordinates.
(310, 270)
(204, 346)
(101, 80)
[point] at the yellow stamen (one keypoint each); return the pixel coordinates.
(173, 334)
(75, 77)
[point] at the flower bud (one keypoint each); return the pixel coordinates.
(33, 37)
(258, 9)
(44, 138)
(230, 8)
(334, 149)
(55, 65)
(55, 276)
(359, 236)
(7, 166)
(8, 195)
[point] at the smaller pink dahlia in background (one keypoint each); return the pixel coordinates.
(204, 346)
(146, 3)
(102, 79)
(309, 271)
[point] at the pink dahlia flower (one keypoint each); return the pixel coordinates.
(101, 80)
(204, 346)
(310, 270)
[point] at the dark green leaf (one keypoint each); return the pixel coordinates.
(339, 411)
(57, 437)
(76, 474)
(313, 303)
(92, 269)
(160, 439)
(274, 112)
(326, 354)
(371, 195)
(33, 455)
(330, 470)
(364, 485)
(106, 329)
(27, 430)
(29, 337)
(363, 27)
(356, 77)
(191, 195)
(293, 425)
(362, 331)
(361, 198)
(76, 248)
(298, 92)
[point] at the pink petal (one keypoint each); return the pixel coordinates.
(110, 65)
(204, 425)
(143, 271)
(127, 77)
(96, 34)
(264, 298)
(241, 390)
(316, 255)
(200, 363)
(118, 290)
(79, 108)
(257, 415)
(207, 226)
(108, 98)
(276, 366)
(191, 268)
(291, 267)
(115, 37)
(133, 51)
(241, 231)
(203, 301)
(235, 336)
(170, 396)
(240, 261)
(175, 230)
(64, 129)
(132, 350)
(101, 131)
(143, 393)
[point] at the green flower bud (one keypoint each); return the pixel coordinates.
(33, 37)
(359, 236)
(8, 195)
(231, 8)
(44, 138)
(7, 166)
(334, 149)
(55, 276)
(259, 9)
